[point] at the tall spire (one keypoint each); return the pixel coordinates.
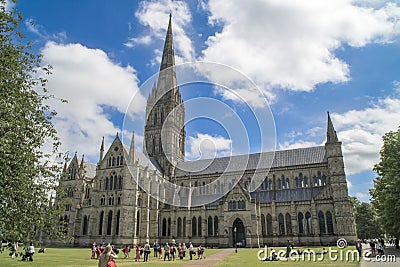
(132, 150)
(167, 76)
(331, 136)
(102, 149)
(168, 57)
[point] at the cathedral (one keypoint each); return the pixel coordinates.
(133, 197)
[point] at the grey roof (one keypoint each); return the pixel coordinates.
(282, 158)
(287, 195)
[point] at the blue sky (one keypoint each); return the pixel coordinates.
(307, 58)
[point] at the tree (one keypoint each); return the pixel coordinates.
(367, 222)
(386, 191)
(27, 174)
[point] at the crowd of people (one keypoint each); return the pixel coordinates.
(167, 252)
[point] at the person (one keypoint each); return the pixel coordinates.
(160, 252)
(126, 251)
(156, 249)
(14, 250)
(372, 246)
(115, 250)
(396, 242)
(180, 251)
(190, 250)
(146, 251)
(166, 251)
(200, 252)
(172, 251)
(288, 248)
(138, 249)
(184, 248)
(106, 256)
(379, 248)
(93, 251)
(98, 251)
(359, 247)
(273, 256)
(31, 251)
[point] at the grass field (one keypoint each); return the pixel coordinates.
(80, 257)
(248, 257)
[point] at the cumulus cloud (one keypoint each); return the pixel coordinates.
(151, 14)
(204, 146)
(360, 132)
(93, 85)
(291, 44)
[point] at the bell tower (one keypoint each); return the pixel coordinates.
(164, 132)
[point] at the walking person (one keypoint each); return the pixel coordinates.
(146, 251)
(138, 249)
(93, 251)
(190, 250)
(184, 248)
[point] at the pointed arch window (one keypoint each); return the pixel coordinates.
(269, 224)
(184, 226)
(164, 227)
(109, 222)
(321, 221)
(199, 230)
(329, 222)
(169, 227)
(281, 222)
(179, 227)
(85, 225)
(263, 225)
(106, 184)
(210, 226)
(194, 226)
(137, 223)
(120, 180)
(117, 223)
(297, 182)
(288, 220)
(101, 219)
(215, 225)
(300, 218)
(279, 184)
(308, 222)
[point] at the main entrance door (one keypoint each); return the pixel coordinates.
(238, 233)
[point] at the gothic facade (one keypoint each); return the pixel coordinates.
(122, 199)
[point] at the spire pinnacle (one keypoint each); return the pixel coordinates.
(168, 57)
(83, 160)
(102, 149)
(331, 136)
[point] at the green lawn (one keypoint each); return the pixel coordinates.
(248, 257)
(80, 257)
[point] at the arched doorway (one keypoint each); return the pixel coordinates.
(238, 233)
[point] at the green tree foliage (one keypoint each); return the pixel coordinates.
(386, 191)
(27, 174)
(367, 223)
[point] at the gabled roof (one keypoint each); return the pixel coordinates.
(282, 158)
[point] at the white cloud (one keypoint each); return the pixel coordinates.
(139, 40)
(8, 5)
(298, 144)
(90, 82)
(204, 146)
(151, 14)
(362, 197)
(291, 44)
(360, 132)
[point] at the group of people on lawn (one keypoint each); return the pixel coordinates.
(170, 251)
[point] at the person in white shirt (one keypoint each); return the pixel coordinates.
(31, 251)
